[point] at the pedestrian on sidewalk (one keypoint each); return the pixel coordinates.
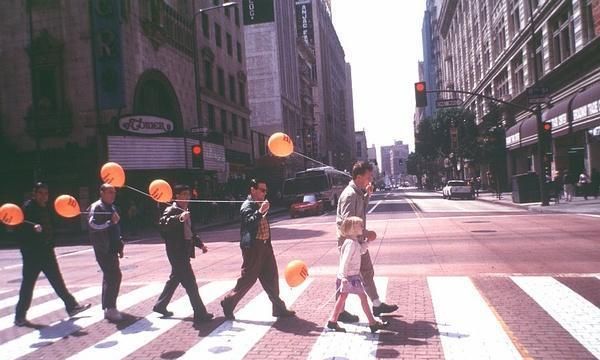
(557, 186)
(477, 185)
(37, 249)
(584, 184)
(257, 254)
(349, 280)
(595, 183)
(105, 235)
(180, 240)
(354, 201)
(569, 185)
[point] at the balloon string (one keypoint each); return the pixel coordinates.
(29, 222)
(311, 159)
(191, 200)
(96, 212)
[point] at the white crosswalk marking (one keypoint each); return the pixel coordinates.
(358, 342)
(30, 342)
(37, 292)
(50, 306)
(151, 327)
(573, 312)
(233, 339)
(468, 328)
(4, 291)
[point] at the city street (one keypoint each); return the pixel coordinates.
(472, 279)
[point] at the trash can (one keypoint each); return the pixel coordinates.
(525, 188)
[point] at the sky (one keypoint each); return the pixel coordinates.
(382, 42)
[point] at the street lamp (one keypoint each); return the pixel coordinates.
(195, 55)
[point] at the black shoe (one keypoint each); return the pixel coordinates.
(77, 309)
(203, 318)
(377, 326)
(334, 326)
(164, 312)
(384, 309)
(284, 314)
(22, 322)
(227, 311)
(347, 318)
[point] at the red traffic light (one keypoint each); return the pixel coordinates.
(547, 126)
(196, 150)
(420, 86)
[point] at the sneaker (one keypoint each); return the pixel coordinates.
(163, 312)
(384, 309)
(284, 314)
(22, 322)
(113, 315)
(77, 309)
(334, 326)
(203, 318)
(347, 318)
(377, 326)
(227, 311)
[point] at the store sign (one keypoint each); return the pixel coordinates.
(558, 121)
(108, 54)
(258, 11)
(513, 139)
(584, 111)
(145, 125)
(304, 21)
(595, 131)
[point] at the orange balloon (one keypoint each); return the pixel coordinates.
(281, 145)
(67, 206)
(296, 272)
(160, 190)
(11, 214)
(112, 173)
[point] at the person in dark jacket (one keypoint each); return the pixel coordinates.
(180, 240)
(37, 248)
(257, 254)
(105, 236)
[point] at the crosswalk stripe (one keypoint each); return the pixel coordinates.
(357, 342)
(37, 292)
(5, 291)
(29, 342)
(233, 339)
(468, 328)
(50, 306)
(573, 312)
(143, 331)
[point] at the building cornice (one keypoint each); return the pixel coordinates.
(446, 14)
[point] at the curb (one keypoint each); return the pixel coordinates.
(507, 204)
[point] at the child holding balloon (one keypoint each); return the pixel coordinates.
(348, 278)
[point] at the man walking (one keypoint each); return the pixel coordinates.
(180, 239)
(105, 236)
(354, 201)
(257, 254)
(37, 248)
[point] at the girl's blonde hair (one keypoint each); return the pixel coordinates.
(349, 224)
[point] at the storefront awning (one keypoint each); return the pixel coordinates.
(558, 116)
(586, 108)
(523, 133)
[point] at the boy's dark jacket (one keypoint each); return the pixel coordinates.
(171, 230)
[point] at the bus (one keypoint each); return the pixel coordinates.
(326, 182)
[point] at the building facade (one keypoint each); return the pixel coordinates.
(361, 150)
(501, 48)
(398, 156)
(114, 80)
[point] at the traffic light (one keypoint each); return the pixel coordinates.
(197, 161)
(421, 94)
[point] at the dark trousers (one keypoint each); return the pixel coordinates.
(35, 262)
(258, 264)
(181, 273)
(111, 279)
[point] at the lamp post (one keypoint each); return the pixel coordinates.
(195, 55)
(538, 116)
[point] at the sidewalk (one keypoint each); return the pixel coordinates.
(578, 205)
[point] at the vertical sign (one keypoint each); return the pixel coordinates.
(304, 21)
(258, 11)
(108, 56)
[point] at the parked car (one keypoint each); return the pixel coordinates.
(307, 205)
(455, 189)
